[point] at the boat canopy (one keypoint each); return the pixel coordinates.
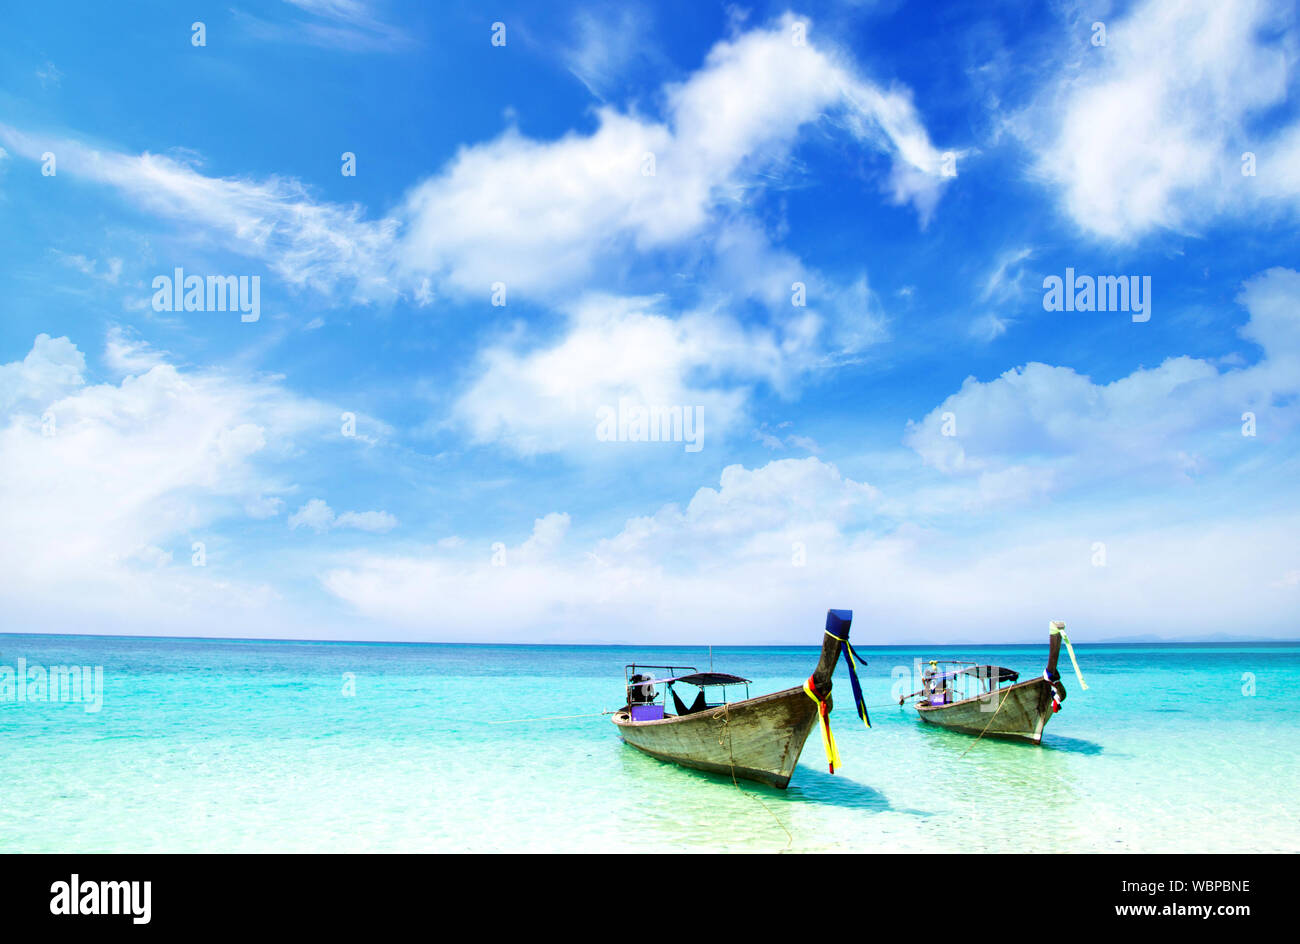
(995, 673)
(701, 679)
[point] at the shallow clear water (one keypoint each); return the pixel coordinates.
(250, 745)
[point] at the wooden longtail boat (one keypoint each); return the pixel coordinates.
(753, 738)
(973, 699)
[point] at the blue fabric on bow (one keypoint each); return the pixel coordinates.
(838, 623)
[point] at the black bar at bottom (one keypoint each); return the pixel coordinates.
(332, 893)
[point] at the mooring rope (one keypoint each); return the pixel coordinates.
(1007, 692)
(552, 718)
(725, 714)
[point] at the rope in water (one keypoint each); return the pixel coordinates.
(724, 730)
(552, 718)
(986, 727)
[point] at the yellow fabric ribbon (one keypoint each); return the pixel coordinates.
(823, 717)
(1057, 627)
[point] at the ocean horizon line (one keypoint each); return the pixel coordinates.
(1115, 642)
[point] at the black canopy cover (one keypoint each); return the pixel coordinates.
(710, 678)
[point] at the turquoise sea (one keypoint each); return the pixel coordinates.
(210, 745)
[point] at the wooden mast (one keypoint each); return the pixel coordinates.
(1055, 627)
(826, 665)
(821, 676)
(1054, 648)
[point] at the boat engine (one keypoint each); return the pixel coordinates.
(641, 692)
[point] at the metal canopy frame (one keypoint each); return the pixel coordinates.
(678, 673)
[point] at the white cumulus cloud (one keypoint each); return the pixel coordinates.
(1149, 131)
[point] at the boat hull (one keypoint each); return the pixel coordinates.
(1019, 712)
(757, 739)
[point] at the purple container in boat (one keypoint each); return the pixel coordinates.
(647, 712)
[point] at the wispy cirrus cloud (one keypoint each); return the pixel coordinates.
(1001, 289)
(110, 272)
(606, 44)
(49, 75)
(306, 241)
(1006, 279)
(544, 215)
(351, 25)
(320, 517)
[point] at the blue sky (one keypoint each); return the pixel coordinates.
(920, 440)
